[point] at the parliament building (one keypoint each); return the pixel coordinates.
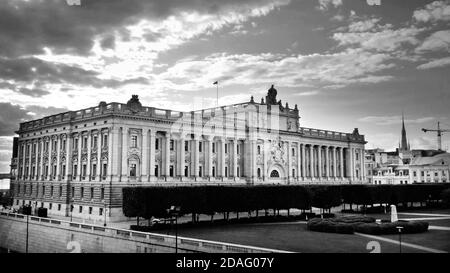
(76, 163)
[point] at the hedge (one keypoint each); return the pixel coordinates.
(391, 228)
(154, 201)
(344, 225)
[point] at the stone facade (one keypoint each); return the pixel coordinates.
(76, 163)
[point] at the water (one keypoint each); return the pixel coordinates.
(4, 184)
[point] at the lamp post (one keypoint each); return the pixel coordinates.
(26, 245)
(71, 212)
(175, 211)
(400, 237)
(104, 222)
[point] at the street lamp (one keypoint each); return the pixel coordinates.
(400, 236)
(71, 212)
(104, 222)
(175, 211)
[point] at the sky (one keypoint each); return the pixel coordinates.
(346, 63)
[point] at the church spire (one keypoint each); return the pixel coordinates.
(404, 143)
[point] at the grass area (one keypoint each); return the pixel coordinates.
(288, 236)
(437, 239)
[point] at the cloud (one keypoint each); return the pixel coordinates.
(433, 12)
(438, 41)
(347, 67)
(435, 63)
(307, 93)
(391, 120)
(326, 4)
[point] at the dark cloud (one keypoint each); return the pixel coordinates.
(108, 42)
(27, 27)
(35, 92)
(10, 117)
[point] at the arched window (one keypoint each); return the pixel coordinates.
(274, 174)
(259, 172)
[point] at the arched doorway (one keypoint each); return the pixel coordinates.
(274, 174)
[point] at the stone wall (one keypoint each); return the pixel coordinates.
(49, 236)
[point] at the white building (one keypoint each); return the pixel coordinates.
(76, 163)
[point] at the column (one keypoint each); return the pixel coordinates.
(235, 155)
(196, 155)
(289, 158)
(363, 166)
(124, 169)
(254, 160)
(80, 140)
(181, 158)
(50, 159)
(210, 155)
(29, 160)
(299, 161)
(88, 154)
(167, 155)
(266, 147)
(334, 162)
(319, 160)
(327, 162)
(152, 154)
(311, 161)
(350, 163)
(58, 159)
(99, 169)
(24, 161)
(222, 156)
(341, 162)
(303, 162)
(69, 144)
(41, 163)
(145, 151)
(114, 162)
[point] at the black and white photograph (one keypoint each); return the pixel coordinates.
(253, 128)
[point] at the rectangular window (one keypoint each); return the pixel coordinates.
(238, 149)
(59, 207)
(156, 170)
(43, 191)
(226, 171)
(238, 174)
(73, 192)
(200, 173)
(105, 166)
(94, 169)
(133, 170)
(85, 142)
(90, 210)
(60, 191)
(94, 142)
(133, 141)
(186, 146)
(214, 171)
(102, 193)
(171, 144)
(92, 193)
(105, 140)
(81, 209)
(157, 144)
(84, 169)
(213, 147)
(75, 169)
(63, 170)
(82, 192)
(200, 146)
(226, 148)
(100, 211)
(186, 171)
(50, 206)
(51, 191)
(171, 170)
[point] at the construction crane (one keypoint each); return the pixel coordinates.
(439, 134)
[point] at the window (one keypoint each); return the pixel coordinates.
(213, 147)
(415, 173)
(63, 170)
(157, 144)
(82, 192)
(94, 142)
(60, 191)
(105, 168)
(226, 148)
(51, 191)
(186, 146)
(85, 141)
(238, 149)
(186, 171)
(293, 152)
(226, 171)
(59, 207)
(75, 144)
(81, 209)
(238, 173)
(73, 192)
(90, 210)
(293, 172)
(133, 170)
(84, 170)
(92, 193)
(75, 168)
(213, 171)
(259, 172)
(43, 191)
(94, 169)
(171, 170)
(156, 170)
(102, 193)
(259, 149)
(200, 146)
(133, 141)
(50, 206)
(200, 171)
(105, 140)
(172, 144)
(100, 211)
